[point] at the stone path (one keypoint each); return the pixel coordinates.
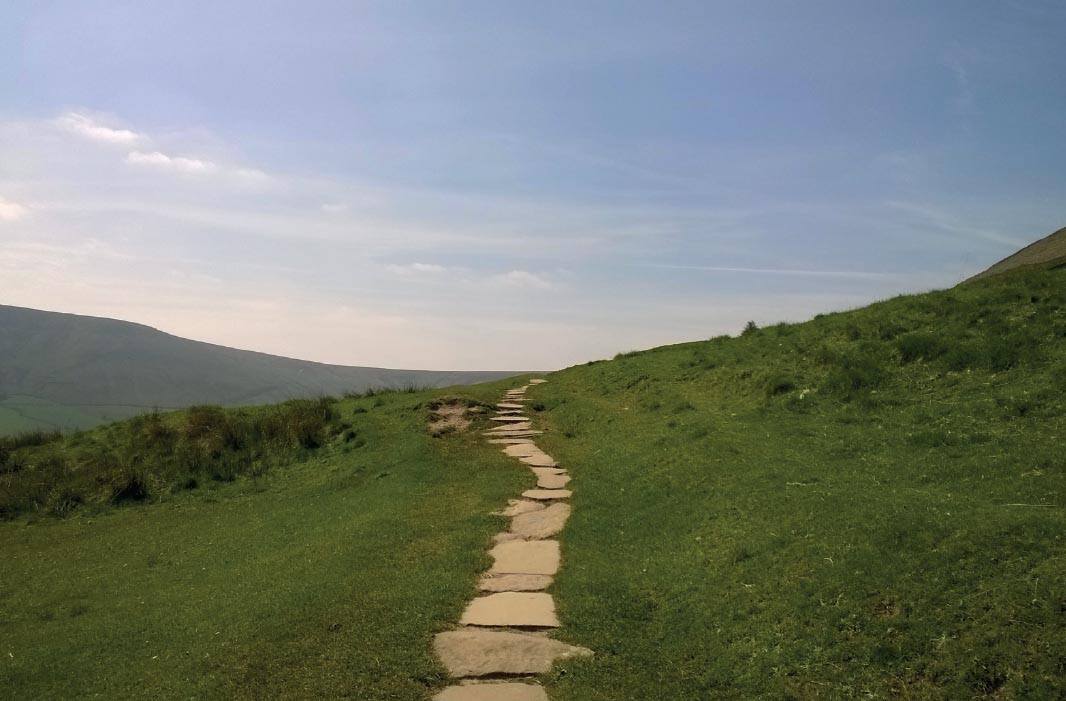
(503, 634)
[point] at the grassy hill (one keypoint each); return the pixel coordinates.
(869, 504)
(66, 371)
(1048, 252)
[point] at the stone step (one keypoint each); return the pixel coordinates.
(481, 653)
(547, 494)
(512, 609)
(514, 582)
(549, 481)
(543, 523)
(539, 460)
(516, 507)
(507, 691)
(526, 557)
(516, 418)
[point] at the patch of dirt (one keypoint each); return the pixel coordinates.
(448, 417)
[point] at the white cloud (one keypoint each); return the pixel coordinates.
(859, 274)
(521, 279)
(417, 269)
(12, 211)
(179, 163)
(85, 126)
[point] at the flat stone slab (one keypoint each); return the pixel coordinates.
(510, 432)
(511, 441)
(512, 608)
(509, 691)
(510, 418)
(480, 653)
(540, 471)
(537, 382)
(523, 450)
(508, 405)
(526, 557)
(514, 582)
(508, 412)
(513, 426)
(547, 494)
(539, 460)
(552, 481)
(517, 507)
(544, 523)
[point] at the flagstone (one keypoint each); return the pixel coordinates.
(510, 417)
(526, 557)
(539, 460)
(511, 441)
(514, 582)
(552, 481)
(480, 653)
(512, 608)
(543, 523)
(523, 450)
(517, 507)
(508, 691)
(547, 494)
(537, 382)
(508, 405)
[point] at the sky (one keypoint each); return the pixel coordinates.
(501, 185)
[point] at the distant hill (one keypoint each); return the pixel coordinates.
(71, 371)
(1050, 251)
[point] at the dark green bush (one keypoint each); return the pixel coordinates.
(779, 383)
(920, 346)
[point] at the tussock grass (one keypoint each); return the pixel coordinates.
(867, 505)
(155, 454)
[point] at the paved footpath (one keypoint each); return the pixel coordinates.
(503, 638)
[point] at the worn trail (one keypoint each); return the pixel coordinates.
(503, 641)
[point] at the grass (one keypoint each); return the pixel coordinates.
(19, 414)
(323, 577)
(868, 505)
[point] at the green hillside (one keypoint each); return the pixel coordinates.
(866, 505)
(66, 372)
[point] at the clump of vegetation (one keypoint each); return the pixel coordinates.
(156, 453)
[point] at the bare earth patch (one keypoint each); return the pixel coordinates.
(449, 417)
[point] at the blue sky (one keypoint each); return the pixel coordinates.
(515, 185)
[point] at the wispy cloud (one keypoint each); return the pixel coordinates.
(855, 274)
(158, 159)
(417, 269)
(521, 279)
(86, 126)
(12, 211)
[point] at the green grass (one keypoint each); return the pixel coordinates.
(867, 505)
(19, 414)
(321, 578)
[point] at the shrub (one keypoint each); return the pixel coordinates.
(779, 383)
(920, 346)
(855, 372)
(750, 328)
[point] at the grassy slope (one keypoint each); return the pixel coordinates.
(321, 579)
(19, 414)
(800, 513)
(866, 505)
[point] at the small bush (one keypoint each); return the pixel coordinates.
(779, 383)
(920, 346)
(855, 372)
(750, 328)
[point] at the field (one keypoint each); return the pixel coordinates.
(866, 505)
(322, 578)
(19, 414)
